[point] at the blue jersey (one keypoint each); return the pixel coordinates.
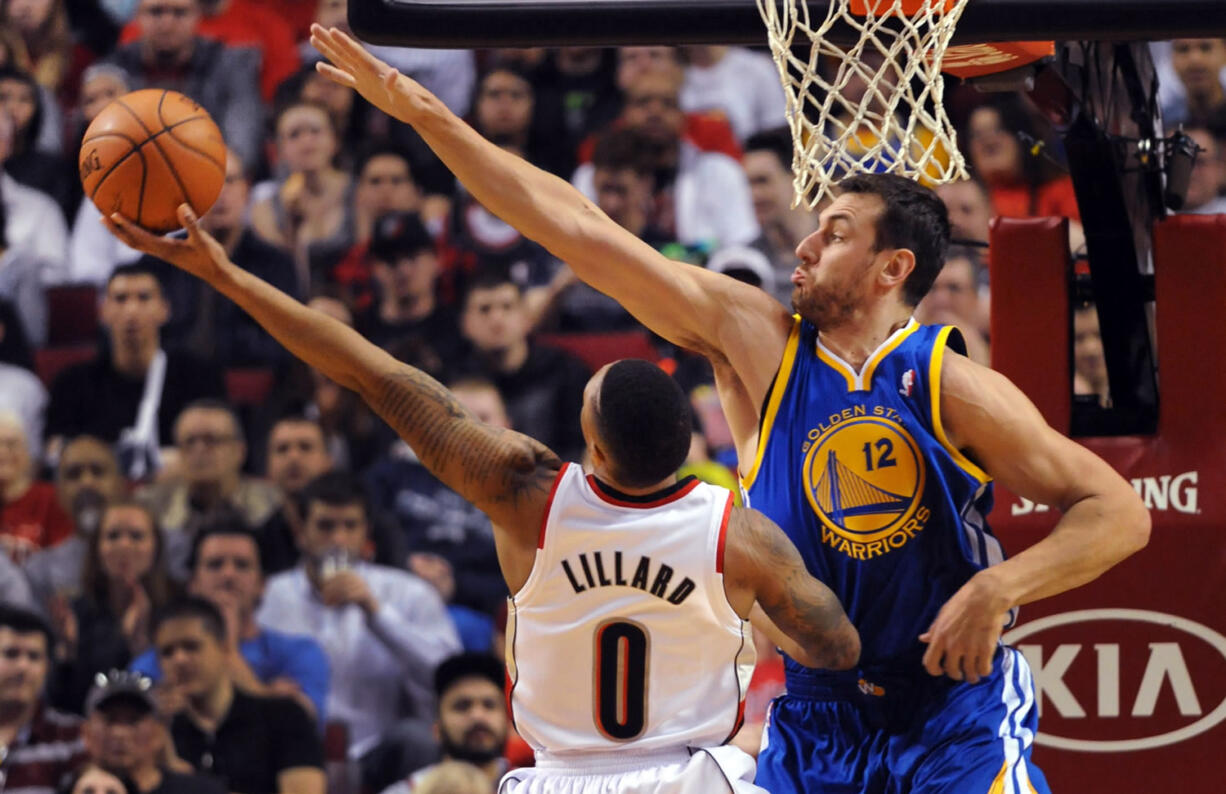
(858, 471)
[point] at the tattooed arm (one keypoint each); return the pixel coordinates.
(805, 618)
(506, 474)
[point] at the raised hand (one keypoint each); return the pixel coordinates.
(199, 254)
(351, 65)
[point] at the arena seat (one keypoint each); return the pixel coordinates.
(598, 349)
(72, 314)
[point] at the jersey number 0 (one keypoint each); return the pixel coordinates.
(620, 676)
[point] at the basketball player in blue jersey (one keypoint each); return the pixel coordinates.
(871, 439)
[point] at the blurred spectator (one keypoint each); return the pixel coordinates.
(306, 210)
(542, 386)
(454, 777)
(21, 392)
(225, 565)
(576, 95)
(450, 542)
(41, 744)
(87, 480)
(246, 23)
(42, 169)
(970, 209)
(22, 273)
(225, 80)
(205, 322)
(30, 518)
(124, 736)
(768, 167)
(735, 82)
(405, 265)
(132, 392)
(954, 300)
(384, 630)
(96, 780)
(448, 74)
(1020, 185)
(353, 118)
(1199, 65)
(255, 744)
(1089, 364)
(297, 453)
(93, 252)
(14, 589)
(747, 264)
(502, 112)
(1207, 176)
(472, 721)
(383, 183)
(210, 483)
(700, 197)
(33, 222)
(50, 57)
(123, 582)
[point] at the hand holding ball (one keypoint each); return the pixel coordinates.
(150, 151)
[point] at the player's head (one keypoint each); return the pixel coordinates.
(472, 713)
(636, 422)
(884, 236)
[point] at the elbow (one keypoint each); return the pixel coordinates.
(1139, 525)
(838, 651)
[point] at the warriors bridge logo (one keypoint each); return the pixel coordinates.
(864, 478)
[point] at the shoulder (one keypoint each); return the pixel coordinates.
(285, 586)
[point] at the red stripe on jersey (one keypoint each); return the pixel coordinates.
(540, 541)
(612, 499)
(723, 537)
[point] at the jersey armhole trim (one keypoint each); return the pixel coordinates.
(782, 378)
(540, 540)
(723, 536)
(938, 428)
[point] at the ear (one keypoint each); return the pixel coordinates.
(897, 268)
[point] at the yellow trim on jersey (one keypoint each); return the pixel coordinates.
(838, 365)
(998, 785)
(866, 375)
(938, 429)
(772, 403)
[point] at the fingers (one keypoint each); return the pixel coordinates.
(336, 75)
(135, 236)
(187, 217)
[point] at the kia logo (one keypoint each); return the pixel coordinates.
(1105, 679)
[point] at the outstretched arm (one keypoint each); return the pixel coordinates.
(1103, 519)
(703, 311)
(806, 619)
(505, 473)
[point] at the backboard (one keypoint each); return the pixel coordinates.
(523, 23)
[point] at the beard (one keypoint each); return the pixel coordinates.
(473, 753)
(824, 306)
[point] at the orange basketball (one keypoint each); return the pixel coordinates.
(148, 152)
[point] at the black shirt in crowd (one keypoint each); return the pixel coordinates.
(259, 738)
(174, 783)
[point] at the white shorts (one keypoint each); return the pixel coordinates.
(713, 770)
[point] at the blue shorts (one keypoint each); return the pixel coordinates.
(936, 736)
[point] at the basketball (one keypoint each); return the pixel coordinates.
(149, 151)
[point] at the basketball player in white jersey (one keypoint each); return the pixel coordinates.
(627, 644)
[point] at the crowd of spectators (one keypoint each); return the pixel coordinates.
(219, 571)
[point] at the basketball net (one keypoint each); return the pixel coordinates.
(897, 124)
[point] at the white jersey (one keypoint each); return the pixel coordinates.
(622, 632)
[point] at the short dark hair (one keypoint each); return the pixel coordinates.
(381, 148)
(192, 607)
(336, 489)
(467, 665)
(23, 621)
(777, 141)
(141, 267)
(488, 277)
(622, 148)
(644, 420)
(914, 218)
(226, 523)
(215, 404)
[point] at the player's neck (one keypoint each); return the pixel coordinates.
(605, 476)
(860, 336)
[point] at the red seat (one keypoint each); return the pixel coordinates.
(50, 361)
(598, 349)
(248, 385)
(72, 314)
